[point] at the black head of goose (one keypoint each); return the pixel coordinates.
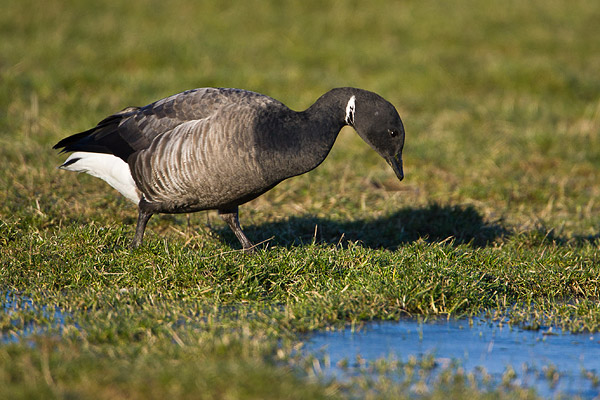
(215, 148)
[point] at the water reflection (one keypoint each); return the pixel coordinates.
(487, 345)
(27, 317)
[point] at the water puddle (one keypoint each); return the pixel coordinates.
(23, 318)
(551, 362)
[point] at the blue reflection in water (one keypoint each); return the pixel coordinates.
(488, 345)
(53, 317)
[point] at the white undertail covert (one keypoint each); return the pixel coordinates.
(107, 167)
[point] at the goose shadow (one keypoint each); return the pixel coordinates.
(455, 224)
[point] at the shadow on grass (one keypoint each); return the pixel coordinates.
(544, 236)
(433, 223)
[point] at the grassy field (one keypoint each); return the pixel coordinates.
(499, 213)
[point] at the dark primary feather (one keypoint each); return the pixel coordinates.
(92, 139)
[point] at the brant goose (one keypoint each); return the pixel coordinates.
(216, 148)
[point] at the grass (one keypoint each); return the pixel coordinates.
(498, 214)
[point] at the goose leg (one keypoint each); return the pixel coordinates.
(143, 217)
(231, 217)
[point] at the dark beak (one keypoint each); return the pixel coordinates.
(396, 164)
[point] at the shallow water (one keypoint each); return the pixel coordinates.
(491, 346)
(42, 317)
(473, 344)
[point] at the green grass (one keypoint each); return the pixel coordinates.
(498, 214)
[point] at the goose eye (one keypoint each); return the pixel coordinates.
(393, 132)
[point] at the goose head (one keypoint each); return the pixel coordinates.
(377, 122)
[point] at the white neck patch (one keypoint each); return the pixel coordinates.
(350, 107)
